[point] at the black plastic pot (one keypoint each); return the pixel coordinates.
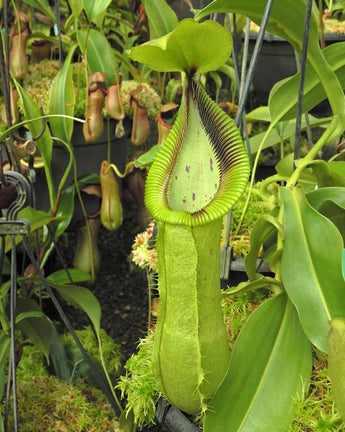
(266, 169)
(171, 417)
(88, 157)
(277, 61)
(237, 272)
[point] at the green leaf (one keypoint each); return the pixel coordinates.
(245, 287)
(218, 83)
(286, 166)
(37, 329)
(190, 47)
(6, 266)
(274, 137)
(318, 197)
(336, 214)
(82, 369)
(261, 114)
(5, 287)
(262, 229)
(173, 86)
(99, 54)
(330, 202)
(324, 174)
(291, 28)
(161, 17)
(42, 6)
(61, 276)
(83, 299)
(229, 71)
(31, 314)
(5, 342)
(312, 266)
(66, 204)
(93, 8)
(267, 370)
(62, 100)
(337, 167)
(126, 421)
(32, 111)
(44, 143)
(147, 158)
(60, 363)
(336, 362)
(37, 218)
(280, 23)
(284, 95)
(76, 6)
(86, 179)
(65, 210)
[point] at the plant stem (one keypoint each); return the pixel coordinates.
(65, 175)
(334, 129)
(251, 183)
(108, 140)
(128, 169)
(100, 350)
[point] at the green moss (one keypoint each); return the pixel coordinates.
(31, 364)
(257, 207)
(145, 95)
(333, 25)
(316, 412)
(237, 311)
(38, 80)
(138, 385)
(47, 404)
(111, 351)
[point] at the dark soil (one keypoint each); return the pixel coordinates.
(120, 287)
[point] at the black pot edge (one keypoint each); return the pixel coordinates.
(269, 37)
(173, 418)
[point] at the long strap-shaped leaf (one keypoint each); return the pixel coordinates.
(330, 202)
(162, 18)
(263, 228)
(44, 143)
(312, 266)
(62, 100)
(99, 53)
(289, 26)
(283, 97)
(93, 8)
(270, 362)
(42, 6)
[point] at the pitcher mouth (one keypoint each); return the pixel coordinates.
(203, 166)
